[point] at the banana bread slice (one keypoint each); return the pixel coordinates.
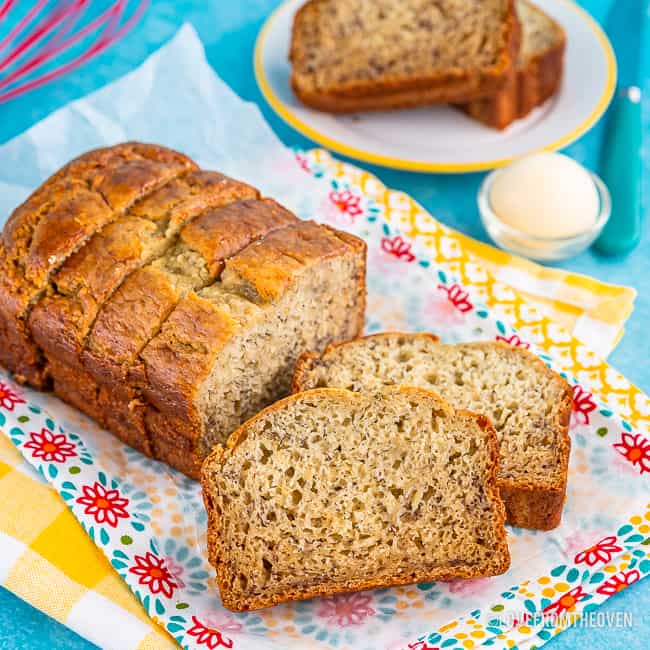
(332, 491)
(537, 75)
(229, 350)
(528, 403)
(354, 55)
(55, 221)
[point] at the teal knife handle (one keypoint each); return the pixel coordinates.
(620, 169)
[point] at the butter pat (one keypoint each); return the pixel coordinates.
(546, 195)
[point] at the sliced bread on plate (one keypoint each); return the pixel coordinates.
(528, 404)
(537, 75)
(356, 55)
(332, 491)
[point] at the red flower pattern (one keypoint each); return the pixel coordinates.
(106, 506)
(618, 582)
(176, 570)
(457, 297)
(518, 622)
(208, 635)
(222, 621)
(398, 248)
(303, 162)
(51, 447)
(9, 397)
(347, 202)
(636, 449)
(583, 405)
(515, 341)
(154, 574)
(567, 602)
(346, 610)
(600, 552)
(421, 645)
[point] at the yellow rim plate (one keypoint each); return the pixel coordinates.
(441, 139)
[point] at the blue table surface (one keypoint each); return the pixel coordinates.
(228, 30)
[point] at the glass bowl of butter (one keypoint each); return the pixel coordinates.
(544, 206)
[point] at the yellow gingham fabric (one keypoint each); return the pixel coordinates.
(48, 560)
(593, 311)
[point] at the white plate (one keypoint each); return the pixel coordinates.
(442, 139)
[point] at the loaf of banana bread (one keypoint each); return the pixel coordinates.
(167, 302)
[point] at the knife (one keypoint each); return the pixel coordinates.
(620, 156)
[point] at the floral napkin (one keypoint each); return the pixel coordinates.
(148, 521)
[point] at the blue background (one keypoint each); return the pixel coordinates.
(228, 29)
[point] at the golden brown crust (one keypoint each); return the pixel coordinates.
(529, 85)
(169, 446)
(453, 91)
(221, 453)
(102, 169)
(395, 92)
(146, 299)
(55, 221)
(233, 228)
(538, 507)
(179, 359)
(540, 79)
(61, 321)
(73, 387)
(104, 299)
(136, 311)
(262, 272)
(105, 405)
(126, 322)
(532, 507)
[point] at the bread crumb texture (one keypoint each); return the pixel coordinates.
(331, 491)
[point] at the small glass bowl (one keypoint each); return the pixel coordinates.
(545, 249)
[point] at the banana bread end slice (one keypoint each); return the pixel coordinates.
(536, 77)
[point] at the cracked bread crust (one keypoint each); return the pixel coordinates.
(134, 314)
(223, 556)
(380, 88)
(55, 221)
(61, 321)
(180, 359)
(144, 301)
(154, 242)
(532, 500)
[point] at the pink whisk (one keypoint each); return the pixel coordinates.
(47, 32)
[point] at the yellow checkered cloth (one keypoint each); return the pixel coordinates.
(48, 560)
(593, 311)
